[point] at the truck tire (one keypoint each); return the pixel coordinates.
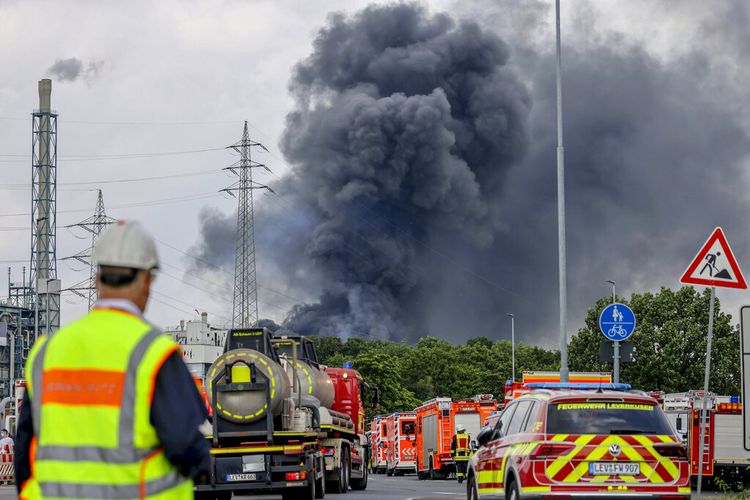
(320, 485)
(360, 484)
(388, 472)
(294, 494)
(342, 485)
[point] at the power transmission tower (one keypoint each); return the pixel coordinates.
(245, 301)
(94, 225)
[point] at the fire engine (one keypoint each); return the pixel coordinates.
(514, 390)
(436, 421)
(378, 444)
(401, 451)
(724, 457)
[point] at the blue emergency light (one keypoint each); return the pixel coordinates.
(734, 399)
(579, 386)
(348, 364)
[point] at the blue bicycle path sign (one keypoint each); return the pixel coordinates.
(617, 321)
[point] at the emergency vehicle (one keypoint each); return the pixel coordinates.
(436, 421)
(515, 390)
(724, 456)
(539, 447)
(379, 430)
(401, 455)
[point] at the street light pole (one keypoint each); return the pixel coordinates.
(561, 212)
(512, 346)
(616, 350)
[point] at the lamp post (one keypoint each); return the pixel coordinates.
(561, 212)
(616, 352)
(614, 297)
(512, 346)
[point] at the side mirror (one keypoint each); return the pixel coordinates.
(474, 445)
(484, 436)
(679, 424)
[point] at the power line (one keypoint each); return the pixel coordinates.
(25, 186)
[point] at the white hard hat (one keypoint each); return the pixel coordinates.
(460, 428)
(126, 244)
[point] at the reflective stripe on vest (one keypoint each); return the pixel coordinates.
(108, 447)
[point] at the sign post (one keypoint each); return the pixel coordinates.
(745, 366)
(617, 323)
(713, 266)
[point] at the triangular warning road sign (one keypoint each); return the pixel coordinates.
(715, 265)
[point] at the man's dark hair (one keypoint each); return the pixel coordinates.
(117, 277)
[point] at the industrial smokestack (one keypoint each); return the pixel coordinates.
(44, 212)
(45, 94)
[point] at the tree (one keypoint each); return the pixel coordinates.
(670, 343)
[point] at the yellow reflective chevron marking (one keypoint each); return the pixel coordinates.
(668, 465)
(560, 462)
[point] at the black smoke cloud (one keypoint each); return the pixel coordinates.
(423, 196)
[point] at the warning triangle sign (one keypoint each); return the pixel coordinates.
(715, 265)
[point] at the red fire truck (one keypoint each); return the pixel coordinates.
(436, 421)
(401, 451)
(514, 390)
(724, 456)
(378, 432)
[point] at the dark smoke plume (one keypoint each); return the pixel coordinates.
(71, 69)
(406, 125)
(422, 198)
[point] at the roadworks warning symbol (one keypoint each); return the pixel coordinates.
(715, 265)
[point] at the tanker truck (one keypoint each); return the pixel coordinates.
(282, 422)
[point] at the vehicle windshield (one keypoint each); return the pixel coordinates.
(407, 428)
(606, 417)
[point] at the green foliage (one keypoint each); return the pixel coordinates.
(670, 343)
(670, 347)
(410, 374)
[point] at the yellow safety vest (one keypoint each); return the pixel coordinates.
(91, 386)
(463, 448)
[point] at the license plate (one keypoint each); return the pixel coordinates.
(614, 468)
(241, 477)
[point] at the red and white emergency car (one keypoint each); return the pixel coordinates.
(596, 443)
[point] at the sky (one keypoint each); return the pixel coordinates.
(445, 229)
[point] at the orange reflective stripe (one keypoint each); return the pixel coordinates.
(83, 387)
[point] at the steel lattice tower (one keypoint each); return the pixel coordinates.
(43, 269)
(94, 225)
(245, 301)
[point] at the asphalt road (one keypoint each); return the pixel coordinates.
(382, 488)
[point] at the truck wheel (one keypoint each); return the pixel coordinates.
(389, 472)
(342, 485)
(360, 484)
(320, 486)
(308, 494)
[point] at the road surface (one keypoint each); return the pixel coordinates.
(382, 488)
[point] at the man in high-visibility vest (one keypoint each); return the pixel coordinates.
(111, 411)
(461, 451)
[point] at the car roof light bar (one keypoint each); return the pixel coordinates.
(579, 386)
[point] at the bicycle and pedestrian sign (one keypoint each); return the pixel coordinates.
(617, 322)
